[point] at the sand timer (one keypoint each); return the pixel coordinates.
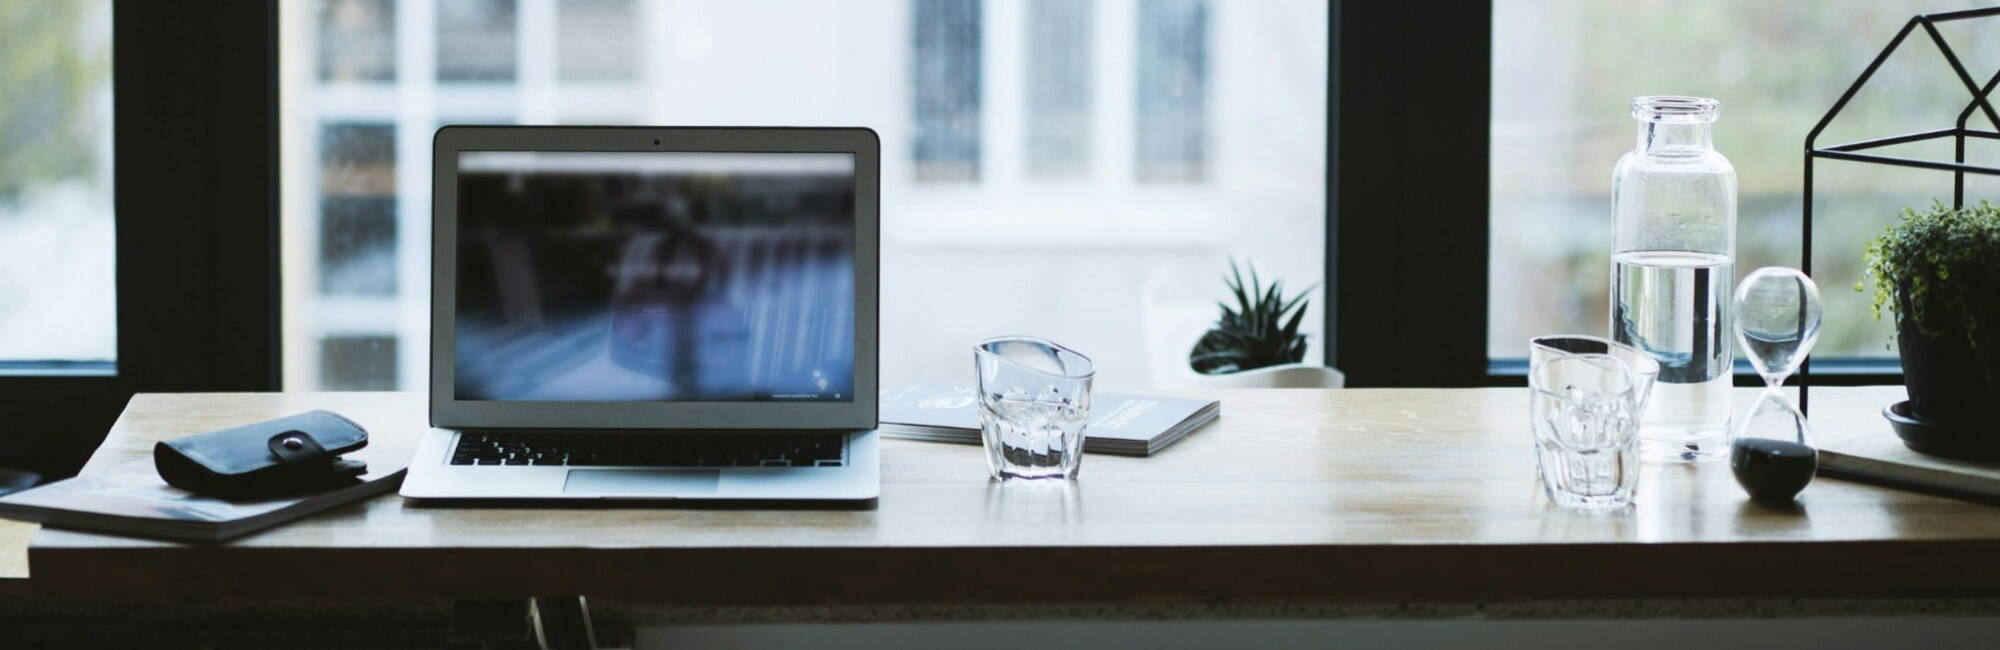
(1777, 320)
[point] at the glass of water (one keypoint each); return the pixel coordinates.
(1585, 412)
(1034, 398)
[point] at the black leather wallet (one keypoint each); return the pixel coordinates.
(289, 455)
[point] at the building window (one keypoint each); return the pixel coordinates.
(358, 363)
(597, 40)
(946, 92)
(357, 40)
(357, 209)
(1059, 88)
(1173, 91)
(475, 40)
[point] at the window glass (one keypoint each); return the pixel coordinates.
(1059, 88)
(1081, 170)
(357, 40)
(58, 286)
(358, 362)
(1564, 72)
(596, 40)
(1173, 83)
(357, 221)
(475, 40)
(945, 91)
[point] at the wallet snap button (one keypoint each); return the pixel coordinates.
(293, 443)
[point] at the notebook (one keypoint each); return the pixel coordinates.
(1121, 424)
(1877, 456)
(132, 500)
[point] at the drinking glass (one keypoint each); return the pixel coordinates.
(1034, 399)
(1585, 412)
(1645, 370)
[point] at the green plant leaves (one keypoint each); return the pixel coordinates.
(1256, 332)
(1940, 270)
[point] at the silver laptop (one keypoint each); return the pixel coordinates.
(652, 313)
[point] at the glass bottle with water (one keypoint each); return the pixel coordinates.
(1672, 268)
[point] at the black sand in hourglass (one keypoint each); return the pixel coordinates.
(1772, 471)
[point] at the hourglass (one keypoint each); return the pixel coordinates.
(1777, 320)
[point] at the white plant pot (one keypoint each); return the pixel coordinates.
(1290, 375)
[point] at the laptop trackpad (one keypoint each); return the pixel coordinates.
(641, 482)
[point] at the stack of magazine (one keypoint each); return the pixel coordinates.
(1126, 425)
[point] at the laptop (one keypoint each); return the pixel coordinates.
(652, 314)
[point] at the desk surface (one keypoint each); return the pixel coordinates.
(1356, 496)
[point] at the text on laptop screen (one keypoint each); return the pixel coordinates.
(655, 276)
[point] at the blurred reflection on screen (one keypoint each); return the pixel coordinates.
(650, 276)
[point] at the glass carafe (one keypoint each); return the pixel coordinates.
(1672, 271)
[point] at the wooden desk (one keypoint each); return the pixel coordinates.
(1356, 496)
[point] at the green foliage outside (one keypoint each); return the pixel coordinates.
(45, 84)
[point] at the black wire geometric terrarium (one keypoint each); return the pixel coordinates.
(1856, 151)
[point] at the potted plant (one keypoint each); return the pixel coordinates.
(1257, 343)
(1938, 273)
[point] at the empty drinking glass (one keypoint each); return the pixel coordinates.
(1645, 370)
(1584, 409)
(1034, 399)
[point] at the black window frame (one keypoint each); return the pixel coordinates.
(1407, 191)
(194, 114)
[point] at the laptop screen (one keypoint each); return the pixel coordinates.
(655, 276)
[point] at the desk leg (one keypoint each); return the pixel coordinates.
(563, 623)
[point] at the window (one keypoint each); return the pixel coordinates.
(595, 40)
(946, 90)
(1059, 88)
(475, 40)
(1082, 170)
(56, 186)
(357, 40)
(357, 222)
(1564, 70)
(147, 267)
(1173, 84)
(354, 362)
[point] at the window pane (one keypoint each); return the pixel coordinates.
(358, 362)
(1565, 70)
(357, 223)
(58, 299)
(1074, 169)
(1173, 89)
(1059, 83)
(475, 40)
(946, 90)
(357, 40)
(596, 40)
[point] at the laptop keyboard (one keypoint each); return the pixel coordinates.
(733, 449)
